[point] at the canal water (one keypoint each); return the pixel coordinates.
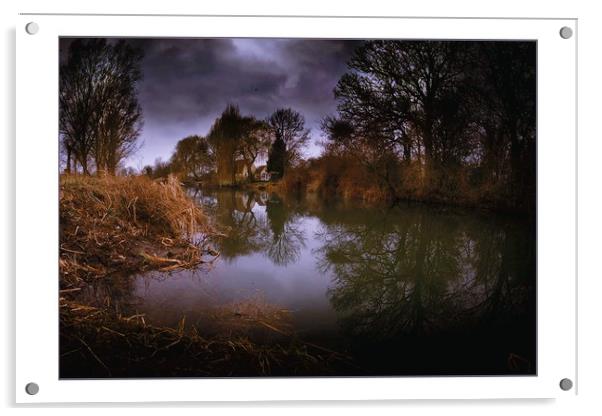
(406, 290)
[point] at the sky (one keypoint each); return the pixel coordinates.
(187, 83)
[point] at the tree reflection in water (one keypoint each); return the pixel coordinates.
(258, 222)
(284, 243)
(415, 289)
(235, 214)
(413, 277)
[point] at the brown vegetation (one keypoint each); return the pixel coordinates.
(438, 121)
(118, 226)
(99, 343)
(443, 122)
(347, 178)
(125, 224)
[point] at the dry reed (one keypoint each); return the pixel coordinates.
(98, 343)
(126, 224)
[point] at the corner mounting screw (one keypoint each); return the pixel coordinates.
(566, 32)
(32, 28)
(32, 389)
(566, 384)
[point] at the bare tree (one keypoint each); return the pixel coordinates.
(398, 86)
(78, 99)
(100, 117)
(288, 126)
(459, 115)
(121, 118)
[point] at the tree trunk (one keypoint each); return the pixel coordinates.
(84, 164)
(249, 171)
(407, 153)
(429, 167)
(68, 168)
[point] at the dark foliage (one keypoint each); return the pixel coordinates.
(457, 118)
(277, 158)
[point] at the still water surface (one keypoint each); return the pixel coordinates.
(410, 289)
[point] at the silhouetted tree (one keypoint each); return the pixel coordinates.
(396, 86)
(505, 109)
(121, 115)
(288, 126)
(224, 137)
(99, 116)
(277, 158)
(78, 99)
(460, 116)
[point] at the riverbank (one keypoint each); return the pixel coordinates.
(112, 228)
(97, 343)
(305, 187)
(346, 179)
(123, 225)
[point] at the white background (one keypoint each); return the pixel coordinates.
(589, 206)
(37, 314)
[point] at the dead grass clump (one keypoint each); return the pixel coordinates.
(96, 343)
(126, 224)
(159, 208)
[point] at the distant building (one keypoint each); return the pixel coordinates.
(262, 174)
(242, 172)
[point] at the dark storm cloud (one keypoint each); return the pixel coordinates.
(188, 82)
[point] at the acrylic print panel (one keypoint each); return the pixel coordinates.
(290, 207)
(296, 207)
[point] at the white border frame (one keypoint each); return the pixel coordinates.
(37, 145)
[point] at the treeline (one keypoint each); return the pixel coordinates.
(234, 145)
(447, 121)
(443, 121)
(99, 115)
